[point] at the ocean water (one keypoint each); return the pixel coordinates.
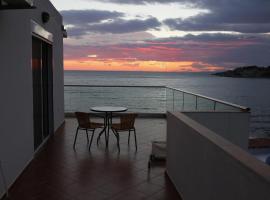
(252, 93)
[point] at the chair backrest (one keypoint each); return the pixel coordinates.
(127, 121)
(82, 118)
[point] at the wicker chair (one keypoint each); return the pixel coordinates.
(84, 123)
(127, 122)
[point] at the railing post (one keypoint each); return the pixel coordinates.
(196, 102)
(215, 105)
(166, 99)
(183, 106)
(173, 100)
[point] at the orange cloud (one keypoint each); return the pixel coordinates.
(136, 65)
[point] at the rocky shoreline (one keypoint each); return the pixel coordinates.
(246, 72)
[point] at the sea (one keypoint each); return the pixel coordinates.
(249, 92)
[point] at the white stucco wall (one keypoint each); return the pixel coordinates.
(203, 165)
(16, 100)
(234, 126)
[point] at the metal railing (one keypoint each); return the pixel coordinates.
(188, 101)
(143, 99)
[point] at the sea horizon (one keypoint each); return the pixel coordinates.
(185, 72)
(235, 90)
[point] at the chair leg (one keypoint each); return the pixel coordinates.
(128, 136)
(99, 135)
(114, 132)
(91, 139)
(135, 137)
(75, 138)
(117, 138)
(118, 142)
(87, 136)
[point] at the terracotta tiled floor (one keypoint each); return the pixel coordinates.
(60, 173)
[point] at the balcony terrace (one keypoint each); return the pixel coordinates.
(208, 135)
(59, 172)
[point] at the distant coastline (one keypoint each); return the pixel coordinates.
(246, 72)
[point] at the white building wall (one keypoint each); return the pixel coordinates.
(16, 100)
(234, 126)
(204, 165)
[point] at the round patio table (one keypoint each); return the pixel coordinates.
(108, 110)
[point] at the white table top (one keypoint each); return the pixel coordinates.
(108, 109)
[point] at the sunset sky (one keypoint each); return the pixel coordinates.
(165, 35)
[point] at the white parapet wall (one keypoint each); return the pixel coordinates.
(204, 165)
(233, 126)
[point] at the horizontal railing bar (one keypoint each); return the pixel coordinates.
(242, 108)
(140, 115)
(246, 109)
(120, 86)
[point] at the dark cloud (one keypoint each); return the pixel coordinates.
(206, 23)
(222, 49)
(88, 16)
(252, 54)
(213, 49)
(221, 37)
(237, 50)
(247, 16)
(137, 1)
(125, 26)
(77, 31)
(194, 3)
(95, 21)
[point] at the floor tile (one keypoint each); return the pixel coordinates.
(60, 172)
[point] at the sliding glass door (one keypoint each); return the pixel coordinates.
(42, 71)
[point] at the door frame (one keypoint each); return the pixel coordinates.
(44, 36)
